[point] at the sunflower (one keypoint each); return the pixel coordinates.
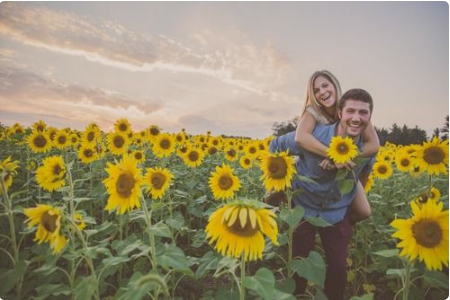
(193, 157)
(278, 170)
(153, 132)
(434, 196)
(416, 170)
(79, 222)
(251, 150)
(74, 140)
(163, 145)
(39, 126)
(87, 154)
(369, 184)
(386, 155)
(123, 125)
(180, 137)
(246, 161)
(32, 165)
(211, 150)
(341, 149)
(239, 228)
(231, 154)
(118, 142)
(91, 134)
(48, 220)
(157, 181)
(51, 131)
(61, 139)
(7, 171)
(223, 182)
(138, 155)
(51, 175)
(433, 157)
(123, 185)
(382, 170)
(403, 161)
(424, 235)
(39, 142)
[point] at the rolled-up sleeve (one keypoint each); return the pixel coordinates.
(286, 142)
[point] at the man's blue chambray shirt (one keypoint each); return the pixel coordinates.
(322, 199)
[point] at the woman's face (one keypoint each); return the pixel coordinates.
(324, 91)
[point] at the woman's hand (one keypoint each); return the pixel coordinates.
(348, 165)
(327, 164)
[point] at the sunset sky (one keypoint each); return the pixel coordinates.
(233, 68)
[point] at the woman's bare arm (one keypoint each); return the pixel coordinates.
(371, 141)
(304, 137)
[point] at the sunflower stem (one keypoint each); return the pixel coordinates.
(148, 221)
(430, 185)
(12, 230)
(290, 235)
(407, 280)
(242, 288)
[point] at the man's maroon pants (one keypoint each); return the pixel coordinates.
(335, 240)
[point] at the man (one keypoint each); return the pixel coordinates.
(324, 199)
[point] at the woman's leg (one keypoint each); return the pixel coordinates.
(360, 207)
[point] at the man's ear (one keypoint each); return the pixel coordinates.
(340, 114)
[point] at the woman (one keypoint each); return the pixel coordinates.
(321, 107)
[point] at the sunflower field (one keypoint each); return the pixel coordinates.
(157, 215)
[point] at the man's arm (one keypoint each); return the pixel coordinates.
(286, 142)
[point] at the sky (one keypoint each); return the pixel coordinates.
(232, 68)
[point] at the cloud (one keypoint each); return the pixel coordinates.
(30, 94)
(230, 57)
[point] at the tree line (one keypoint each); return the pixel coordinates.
(395, 134)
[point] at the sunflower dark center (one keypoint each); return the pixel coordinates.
(231, 152)
(165, 144)
(158, 180)
(90, 136)
(342, 149)
(423, 198)
(88, 152)
(382, 169)
(179, 138)
(138, 155)
(40, 141)
(40, 128)
(434, 155)
(125, 185)
(62, 139)
(118, 141)
(183, 149)
(123, 127)
(246, 231)
(48, 221)
(154, 131)
(215, 142)
(193, 156)
(405, 162)
(252, 150)
(57, 169)
(277, 168)
(427, 233)
(247, 161)
(225, 182)
(212, 150)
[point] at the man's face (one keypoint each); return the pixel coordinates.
(354, 117)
